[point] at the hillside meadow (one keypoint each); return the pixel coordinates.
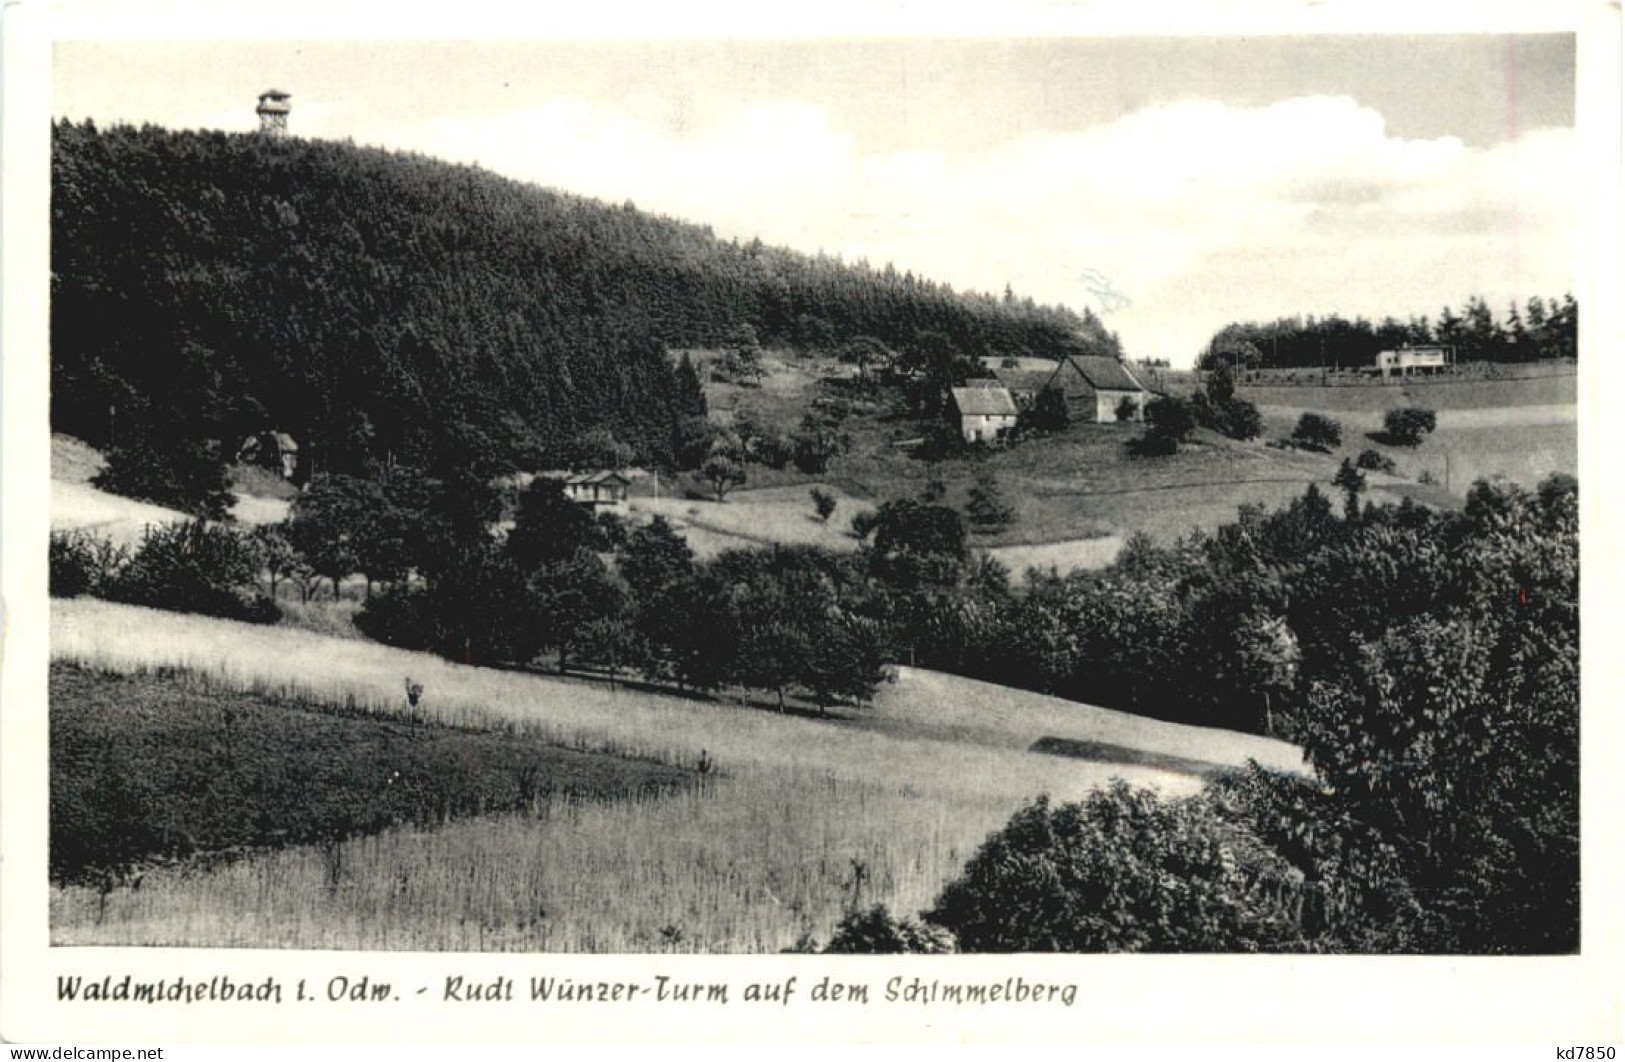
(801, 817)
(1076, 494)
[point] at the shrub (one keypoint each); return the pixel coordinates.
(1127, 409)
(1168, 421)
(400, 617)
(198, 567)
(1316, 431)
(721, 475)
(1050, 413)
(814, 448)
(181, 474)
(864, 522)
(612, 531)
(986, 507)
(691, 441)
(823, 503)
(1245, 422)
(772, 449)
(1407, 426)
(81, 563)
(1235, 418)
(478, 610)
(906, 528)
(1373, 461)
(877, 932)
(1124, 870)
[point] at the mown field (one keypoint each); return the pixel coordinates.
(800, 819)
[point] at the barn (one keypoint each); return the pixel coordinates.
(1095, 387)
(986, 414)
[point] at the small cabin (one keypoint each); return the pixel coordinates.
(275, 450)
(602, 491)
(986, 414)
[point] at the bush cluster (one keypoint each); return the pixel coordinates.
(81, 563)
(1406, 427)
(1168, 420)
(1217, 407)
(1316, 431)
(1374, 461)
(192, 566)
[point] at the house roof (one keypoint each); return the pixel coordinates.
(1023, 379)
(984, 401)
(587, 479)
(1102, 372)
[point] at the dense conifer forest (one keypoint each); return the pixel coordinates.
(382, 306)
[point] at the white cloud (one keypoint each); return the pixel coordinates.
(1199, 212)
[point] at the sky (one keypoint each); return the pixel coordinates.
(1170, 184)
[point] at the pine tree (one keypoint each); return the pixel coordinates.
(690, 393)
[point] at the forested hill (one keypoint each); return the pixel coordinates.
(207, 285)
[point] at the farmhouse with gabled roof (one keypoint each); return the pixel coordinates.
(1095, 387)
(986, 413)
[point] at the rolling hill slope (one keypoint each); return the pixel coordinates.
(208, 285)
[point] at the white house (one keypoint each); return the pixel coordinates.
(985, 413)
(1413, 359)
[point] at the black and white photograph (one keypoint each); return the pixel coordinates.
(909, 494)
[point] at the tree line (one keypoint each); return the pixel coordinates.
(1541, 329)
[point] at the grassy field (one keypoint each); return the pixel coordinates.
(1523, 444)
(805, 814)
(178, 766)
(756, 517)
(77, 505)
(742, 865)
(1076, 495)
(1431, 392)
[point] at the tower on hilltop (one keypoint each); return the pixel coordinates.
(273, 111)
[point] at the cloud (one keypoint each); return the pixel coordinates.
(1199, 212)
